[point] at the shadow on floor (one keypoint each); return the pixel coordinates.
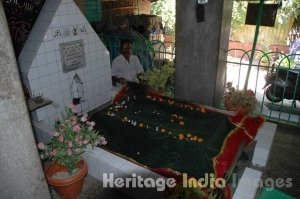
(284, 160)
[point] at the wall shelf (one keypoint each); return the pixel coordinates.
(33, 105)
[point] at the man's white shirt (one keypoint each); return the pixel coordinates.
(128, 70)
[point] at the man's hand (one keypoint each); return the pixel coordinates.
(119, 80)
(140, 77)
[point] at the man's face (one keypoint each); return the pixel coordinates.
(126, 50)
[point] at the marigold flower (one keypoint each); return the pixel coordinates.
(181, 136)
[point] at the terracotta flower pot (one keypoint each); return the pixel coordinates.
(69, 187)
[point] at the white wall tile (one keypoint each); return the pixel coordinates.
(47, 91)
(47, 76)
(40, 59)
(49, 46)
(66, 94)
(58, 56)
(54, 78)
(56, 87)
(41, 48)
(72, 8)
(34, 84)
(52, 68)
(63, 8)
(51, 57)
(41, 114)
(64, 20)
(48, 35)
(43, 70)
(45, 81)
(55, 22)
(58, 98)
(57, 41)
(64, 77)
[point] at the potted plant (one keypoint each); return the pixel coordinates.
(242, 101)
(161, 79)
(66, 168)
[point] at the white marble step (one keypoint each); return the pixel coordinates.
(264, 140)
(248, 184)
(250, 181)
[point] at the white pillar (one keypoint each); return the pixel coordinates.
(21, 171)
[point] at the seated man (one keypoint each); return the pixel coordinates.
(126, 67)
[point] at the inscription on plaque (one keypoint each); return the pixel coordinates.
(72, 55)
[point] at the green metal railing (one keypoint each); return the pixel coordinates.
(151, 53)
(284, 67)
(154, 53)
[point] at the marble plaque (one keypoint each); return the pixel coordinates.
(72, 55)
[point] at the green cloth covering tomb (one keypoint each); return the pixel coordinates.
(149, 131)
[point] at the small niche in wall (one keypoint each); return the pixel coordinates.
(72, 55)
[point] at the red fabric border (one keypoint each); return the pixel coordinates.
(246, 129)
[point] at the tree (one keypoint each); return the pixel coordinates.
(166, 10)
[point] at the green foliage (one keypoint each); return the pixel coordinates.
(289, 8)
(71, 137)
(161, 79)
(286, 62)
(238, 14)
(166, 10)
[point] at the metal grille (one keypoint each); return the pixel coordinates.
(21, 16)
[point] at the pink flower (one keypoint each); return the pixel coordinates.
(76, 128)
(53, 152)
(86, 141)
(70, 144)
(84, 118)
(78, 138)
(61, 138)
(69, 152)
(41, 146)
(56, 134)
(229, 84)
(250, 93)
(77, 150)
(73, 122)
(92, 124)
(73, 108)
(103, 141)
